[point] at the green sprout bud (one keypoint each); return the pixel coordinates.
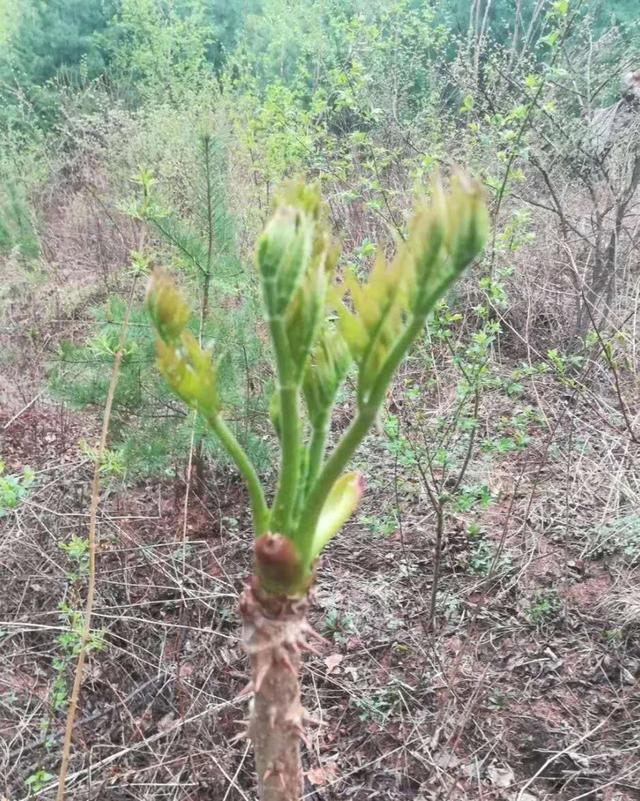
(445, 235)
(341, 503)
(278, 566)
(290, 240)
(285, 243)
(167, 309)
(468, 221)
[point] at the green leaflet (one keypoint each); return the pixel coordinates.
(327, 368)
(306, 312)
(341, 503)
(190, 372)
(444, 237)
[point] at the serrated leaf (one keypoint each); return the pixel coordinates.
(190, 372)
(325, 372)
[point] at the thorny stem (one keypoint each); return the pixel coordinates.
(275, 631)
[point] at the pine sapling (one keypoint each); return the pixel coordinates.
(320, 328)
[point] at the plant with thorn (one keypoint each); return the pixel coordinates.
(376, 321)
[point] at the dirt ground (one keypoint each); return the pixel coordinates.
(523, 685)
(527, 688)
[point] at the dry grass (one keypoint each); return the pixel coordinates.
(506, 697)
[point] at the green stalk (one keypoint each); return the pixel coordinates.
(349, 443)
(315, 459)
(259, 508)
(285, 499)
(316, 449)
(330, 473)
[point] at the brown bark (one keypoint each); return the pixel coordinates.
(275, 633)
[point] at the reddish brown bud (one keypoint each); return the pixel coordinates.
(278, 565)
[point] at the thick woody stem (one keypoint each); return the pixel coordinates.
(275, 631)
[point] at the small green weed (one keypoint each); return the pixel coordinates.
(70, 643)
(498, 701)
(380, 525)
(112, 463)
(13, 488)
(70, 640)
(338, 624)
(483, 556)
(38, 780)
(378, 706)
(470, 496)
(77, 549)
(619, 536)
(544, 609)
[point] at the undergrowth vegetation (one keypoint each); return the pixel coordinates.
(481, 610)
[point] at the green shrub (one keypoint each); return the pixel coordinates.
(13, 488)
(18, 234)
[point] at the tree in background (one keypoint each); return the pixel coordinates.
(50, 44)
(154, 434)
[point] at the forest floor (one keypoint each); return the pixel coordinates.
(527, 688)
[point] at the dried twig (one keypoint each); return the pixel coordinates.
(91, 588)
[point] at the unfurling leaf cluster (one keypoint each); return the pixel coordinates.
(320, 327)
(381, 314)
(187, 367)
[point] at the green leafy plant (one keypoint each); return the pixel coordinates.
(485, 559)
(38, 780)
(443, 451)
(376, 321)
(13, 488)
(380, 525)
(112, 464)
(618, 536)
(544, 608)
(378, 706)
(70, 640)
(338, 625)
(69, 644)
